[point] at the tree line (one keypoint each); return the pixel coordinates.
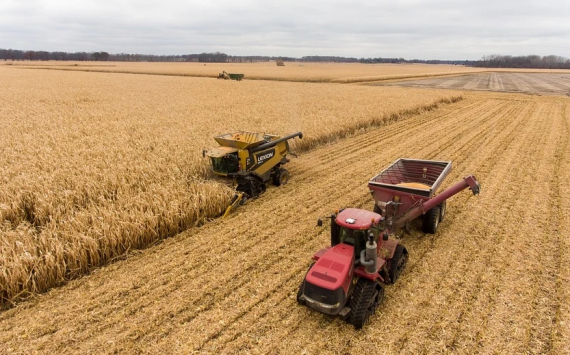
(490, 61)
(528, 61)
(216, 57)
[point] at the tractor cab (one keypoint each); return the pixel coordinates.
(353, 226)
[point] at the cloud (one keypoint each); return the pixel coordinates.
(438, 29)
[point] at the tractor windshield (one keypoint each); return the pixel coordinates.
(227, 164)
(354, 237)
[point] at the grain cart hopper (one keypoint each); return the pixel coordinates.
(406, 190)
(252, 159)
(346, 279)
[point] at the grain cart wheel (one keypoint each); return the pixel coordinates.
(281, 178)
(442, 209)
(431, 220)
(398, 263)
(365, 299)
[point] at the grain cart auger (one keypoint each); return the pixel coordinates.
(347, 278)
(252, 159)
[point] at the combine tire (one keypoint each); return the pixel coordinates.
(281, 178)
(398, 263)
(431, 220)
(442, 209)
(365, 299)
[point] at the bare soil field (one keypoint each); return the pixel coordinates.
(526, 83)
(494, 279)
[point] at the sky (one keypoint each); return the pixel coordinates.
(410, 29)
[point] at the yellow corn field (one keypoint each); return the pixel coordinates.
(95, 164)
(293, 71)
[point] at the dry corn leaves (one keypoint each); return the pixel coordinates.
(94, 165)
(492, 280)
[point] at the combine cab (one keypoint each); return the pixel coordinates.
(252, 159)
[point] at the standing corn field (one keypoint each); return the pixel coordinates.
(97, 164)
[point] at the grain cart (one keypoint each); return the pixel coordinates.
(252, 159)
(406, 190)
(346, 278)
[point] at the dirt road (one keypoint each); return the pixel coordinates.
(493, 279)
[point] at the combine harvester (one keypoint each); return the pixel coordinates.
(252, 159)
(346, 278)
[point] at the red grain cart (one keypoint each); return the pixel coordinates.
(346, 278)
(406, 190)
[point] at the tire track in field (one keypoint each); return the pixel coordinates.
(497, 278)
(547, 296)
(560, 336)
(479, 264)
(511, 277)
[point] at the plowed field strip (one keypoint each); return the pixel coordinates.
(230, 285)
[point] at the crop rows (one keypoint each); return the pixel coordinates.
(292, 71)
(95, 165)
(492, 280)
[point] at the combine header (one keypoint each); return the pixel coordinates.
(252, 159)
(346, 278)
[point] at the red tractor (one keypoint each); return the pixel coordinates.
(346, 278)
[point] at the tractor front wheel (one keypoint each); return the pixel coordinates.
(365, 299)
(281, 178)
(431, 220)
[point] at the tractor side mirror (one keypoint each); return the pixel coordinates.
(319, 222)
(385, 236)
